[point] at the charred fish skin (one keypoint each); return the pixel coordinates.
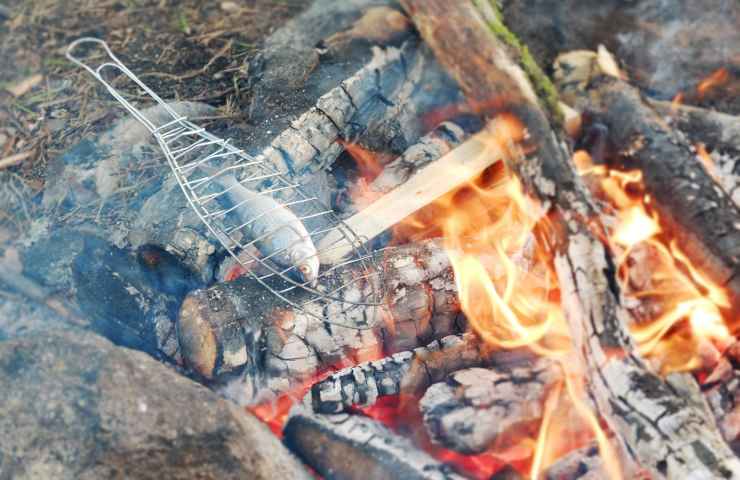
(278, 232)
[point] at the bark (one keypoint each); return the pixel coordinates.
(581, 464)
(232, 325)
(478, 408)
(719, 132)
(692, 207)
(667, 429)
(357, 447)
(409, 372)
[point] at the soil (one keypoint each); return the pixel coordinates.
(183, 49)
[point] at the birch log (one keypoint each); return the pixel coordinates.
(667, 430)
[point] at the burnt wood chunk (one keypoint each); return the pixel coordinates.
(345, 446)
(478, 408)
(403, 372)
(667, 430)
(581, 464)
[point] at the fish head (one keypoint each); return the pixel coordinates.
(306, 263)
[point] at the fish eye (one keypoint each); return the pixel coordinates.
(305, 269)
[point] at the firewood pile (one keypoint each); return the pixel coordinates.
(553, 209)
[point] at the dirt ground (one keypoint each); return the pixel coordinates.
(183, 49)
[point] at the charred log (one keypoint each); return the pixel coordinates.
(310, 143)
(581, 464)
(666, 429)
(219, 325)
(345, 446)
(408, 372)
(700, 215)
(478, 408)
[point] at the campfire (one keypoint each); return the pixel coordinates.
(520, 270)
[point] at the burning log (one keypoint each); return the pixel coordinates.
(431, 146)
(476, 408)
(357, 447)
(715, 129)
(409, 371)
(704, 219)
(665, 429)
(218, 326)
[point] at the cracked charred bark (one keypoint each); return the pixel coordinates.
(410, 371)
(719, 132)
(662, 423)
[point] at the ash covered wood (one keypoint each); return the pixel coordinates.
(699, 214)
(288, 346)
(310, 143)
(409, 371)
(350, 446)
(476, 408)
(582, 464)
(665, 428)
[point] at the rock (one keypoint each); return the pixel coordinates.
(74, 406)
(18, 316)
(127, 298)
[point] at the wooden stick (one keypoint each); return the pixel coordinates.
(459, 166)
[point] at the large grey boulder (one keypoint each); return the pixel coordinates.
(74, 406)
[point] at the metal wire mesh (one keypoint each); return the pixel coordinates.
(254, 227)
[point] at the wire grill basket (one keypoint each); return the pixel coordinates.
(202, 163)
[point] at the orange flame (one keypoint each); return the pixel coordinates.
(686, 304)
(716, 79)
(493, 234)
